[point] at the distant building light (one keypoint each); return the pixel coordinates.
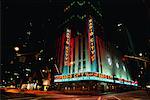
(139, 75)
(30, 24)
(43, 70)
(41, 51)
(119, 29)
(141, 67)
(17, 76)
(24, 45)
(117, 46)
(16, 48)
(27, 74)
(8, 72)
(117, 65)
(119, 24)
(52, 58)
(29, 33)
(28, 69)
(11, 78)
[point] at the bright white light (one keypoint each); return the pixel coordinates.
(51, 58)
(16, 48)
(40, 59)
(109, 61)
(140, 54)
(17, 76)
(117, 65)
(119, 24)
(148, 86)
(27, 75)
(43, 70)
(28, 69)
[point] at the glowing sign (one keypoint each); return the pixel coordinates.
(86, 74)
(67, 47)
(91, 76)
(91, 40)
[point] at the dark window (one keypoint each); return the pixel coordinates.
(84, 65)
(73, 70)
(74, 51)
(83, 47)
(79, 48)
(79, 67)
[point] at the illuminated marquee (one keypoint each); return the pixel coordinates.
(86, 74)
(92, 76)
(67, 47)
(91, 40)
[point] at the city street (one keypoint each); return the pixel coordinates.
(75, 50)
(55, 95)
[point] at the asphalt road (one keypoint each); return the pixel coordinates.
(54, 95)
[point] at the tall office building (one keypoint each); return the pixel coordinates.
(86, 60)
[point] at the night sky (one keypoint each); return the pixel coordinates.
(45, 16)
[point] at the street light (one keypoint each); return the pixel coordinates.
(140, 54)
(16, 49)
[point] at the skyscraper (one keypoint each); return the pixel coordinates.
(85, 59)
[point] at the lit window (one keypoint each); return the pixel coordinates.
(139, 76)
(109, 61)
(27, 75)
(124, 68)
(11, 78)
(117, 65)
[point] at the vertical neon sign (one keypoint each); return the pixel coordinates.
(91, 40)
(92, 47)
(67, 47)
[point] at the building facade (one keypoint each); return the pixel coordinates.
(86, 60)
